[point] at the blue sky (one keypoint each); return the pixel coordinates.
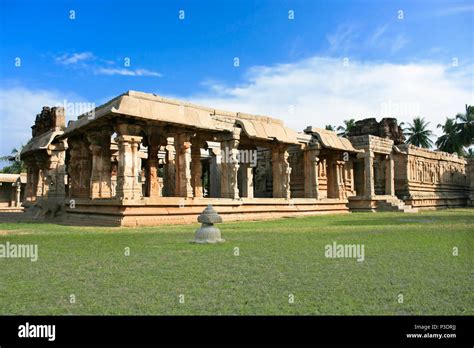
(334, 60)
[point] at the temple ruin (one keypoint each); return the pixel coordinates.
(141, 159)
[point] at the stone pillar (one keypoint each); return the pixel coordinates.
(153, 187)
(183, 165)
(247, 180)
(101, 174)
(215, 173)
(311, 184)
(390, 176)
(340, 190)
(196, 169)
(56, 171)
(128, 186)
(369, 189)
(169, 182)
(18, 193)
(281, 172)
(230, 166)
(31, 177)
(79, 167)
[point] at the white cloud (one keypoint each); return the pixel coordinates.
(69, 59)
(454, 10)
(322, 91)
(18, 109)
(126, 72)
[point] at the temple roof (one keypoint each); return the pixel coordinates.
(40, 142)
(153, 107)
(331, 140)
(13, 177)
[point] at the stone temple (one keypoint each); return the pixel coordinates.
(141, 159)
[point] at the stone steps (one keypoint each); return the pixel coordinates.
(396, 205)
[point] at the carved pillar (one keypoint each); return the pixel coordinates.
(128, 186)
(31, 178)
(79, 167)
(101, 174)
(311, 184)
(340, 190)
(369, 188)
(230, 166)
(183, 165)
(196, 168)
(390, 176)
(56, 170)
(281, 172)
(153, 187)
(169, 181)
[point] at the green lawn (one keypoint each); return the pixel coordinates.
(408, 254)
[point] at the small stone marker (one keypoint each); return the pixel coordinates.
(208, 233)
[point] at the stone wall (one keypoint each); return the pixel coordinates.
(430, 179)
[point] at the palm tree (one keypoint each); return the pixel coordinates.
(465, 126)
(450, 140)
(330, 127)
(344, 130)
(17, 165)
(418, 134)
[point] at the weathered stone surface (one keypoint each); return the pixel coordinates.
(386, 128)
(208, 233)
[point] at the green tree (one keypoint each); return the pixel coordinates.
(465, 126)
(344, 130)
(17, 166)
(450, 140)
(418, 133)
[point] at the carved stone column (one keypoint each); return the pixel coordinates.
(390, 176)
(101, 174)
(128, 186)
(183, 165)
(153, 188)
(281, 172)
(196, 168)
(311, 183)
(230, 166)
(56, 171)
(369, 188)
(340, 191)
(79, 167)
(169, 181)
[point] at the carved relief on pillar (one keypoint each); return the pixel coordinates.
(56, 170)
(230, 167)
(169, 188)
(154, 141)
(101, 174)
(183, 165)
(196, 167)
(129, 167)
(79, 166)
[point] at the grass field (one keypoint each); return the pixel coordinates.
(407, 254)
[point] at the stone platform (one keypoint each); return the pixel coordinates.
(175, 210)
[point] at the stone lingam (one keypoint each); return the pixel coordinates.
(208, 233)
